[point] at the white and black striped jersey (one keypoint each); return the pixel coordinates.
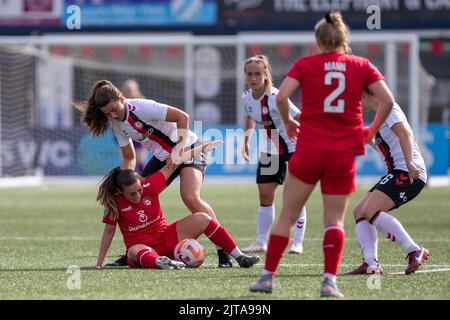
(388, 144)
(145, 123)
(265, 113)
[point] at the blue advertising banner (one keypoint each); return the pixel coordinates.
(227, 160)
(144, 13)
(62, 152)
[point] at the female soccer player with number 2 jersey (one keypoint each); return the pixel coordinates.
(331, 135)
(259, 105)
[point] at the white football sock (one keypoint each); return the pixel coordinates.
(329, 276)
(299, 228)
(265, 218)
(236, 252)
(394, 231)
(368, 241)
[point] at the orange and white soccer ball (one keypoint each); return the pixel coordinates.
(191, 252)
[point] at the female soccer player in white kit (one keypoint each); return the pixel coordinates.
(405, 178)
(260, 107)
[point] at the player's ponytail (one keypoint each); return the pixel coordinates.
(263, 60)
(101, 94)
(112, 184)
(333, 33)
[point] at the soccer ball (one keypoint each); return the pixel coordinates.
(191, 252)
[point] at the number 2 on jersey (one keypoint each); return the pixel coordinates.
(327, 106)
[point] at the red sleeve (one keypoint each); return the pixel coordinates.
(156, 182)
(107, 218)
(295, 71)
(373, 75)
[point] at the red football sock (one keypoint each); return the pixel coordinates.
(275, 251)
(219, 236)
(333, 244)
(147, 257)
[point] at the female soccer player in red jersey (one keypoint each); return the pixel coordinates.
(162, 129)
(260, 107)
(132, 202)
(331, 135)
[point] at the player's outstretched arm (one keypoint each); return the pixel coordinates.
(287, 88)
(249, 128)
(192, 153)
(105, 244)
(406, 143)
(128, 156)
(386, 102)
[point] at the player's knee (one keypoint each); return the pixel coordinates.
(358, 213)
(266, 197)
(202, 218)
(133, 251)
(191, 200)
(266, 200)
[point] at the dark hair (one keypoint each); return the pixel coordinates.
(333, 32)
(101, 94)
(113, 183)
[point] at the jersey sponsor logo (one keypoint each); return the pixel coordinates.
(131, 107)
(125, 133)
(265, 110)
(146, 201)
(142, 216)
(143, 225)
(126, 209)
(267, 123)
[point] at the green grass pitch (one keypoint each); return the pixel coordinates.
(44, 230)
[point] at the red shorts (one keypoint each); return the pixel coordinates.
(166, 244)
(335, 169)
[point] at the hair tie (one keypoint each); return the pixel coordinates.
(328, 18)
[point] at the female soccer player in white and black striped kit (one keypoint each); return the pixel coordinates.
(260, 107)
(405, 178)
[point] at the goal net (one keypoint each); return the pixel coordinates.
(41, 77)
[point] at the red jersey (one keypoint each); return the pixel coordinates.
(331, 89)
(141, 223)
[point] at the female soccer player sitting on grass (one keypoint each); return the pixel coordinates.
(132, 202)
(405, 178)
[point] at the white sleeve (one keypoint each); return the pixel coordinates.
(395, 116)
(293, 110)
(151, 110)
(121, 139)
(244, 100)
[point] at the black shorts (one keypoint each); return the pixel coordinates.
(395, 184)
(272, 168)
(154, 165)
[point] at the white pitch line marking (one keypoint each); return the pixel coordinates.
(443, 267)
(424, 271)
